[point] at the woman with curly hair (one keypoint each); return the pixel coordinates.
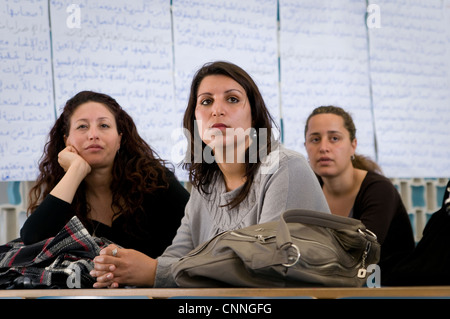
(97, 167)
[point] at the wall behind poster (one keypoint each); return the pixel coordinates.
(386, 62)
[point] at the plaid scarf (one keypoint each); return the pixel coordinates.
(63, 261)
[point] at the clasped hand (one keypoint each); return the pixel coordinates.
(128, 267)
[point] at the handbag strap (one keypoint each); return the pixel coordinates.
(313, 218)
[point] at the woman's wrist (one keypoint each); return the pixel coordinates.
(68, 185)
(153, 264)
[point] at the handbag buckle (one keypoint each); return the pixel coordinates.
(294, 258)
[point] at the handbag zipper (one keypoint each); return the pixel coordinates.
(202, 247)
(263, 239)
(260, 238)
(361, 271)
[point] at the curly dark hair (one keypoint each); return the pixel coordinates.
(137, 169)
(201, 173)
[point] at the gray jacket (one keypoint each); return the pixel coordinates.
(284, 181)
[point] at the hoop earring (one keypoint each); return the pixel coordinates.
(352, 157)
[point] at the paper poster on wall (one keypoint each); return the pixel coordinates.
(26, 94)
(386, 63)
(410, 63)
(123, 49)
(241, 32)
(324, 61)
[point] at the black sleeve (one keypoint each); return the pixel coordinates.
(164, 211)
(376, 205)
(172, 211)
(46, 221)
(179, 195)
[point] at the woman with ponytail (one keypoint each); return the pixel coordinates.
(354, 185)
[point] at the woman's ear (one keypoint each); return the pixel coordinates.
(354, 144)
(120, 140)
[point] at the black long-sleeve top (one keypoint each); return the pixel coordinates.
(150, 234)
(379, 206)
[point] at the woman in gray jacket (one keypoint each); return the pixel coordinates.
(241, 176)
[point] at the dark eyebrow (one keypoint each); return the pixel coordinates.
(231, 90)
(227, 91)
(99, 119)
(205, 93)
(328, 132)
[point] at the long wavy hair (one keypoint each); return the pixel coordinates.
(359, 161)
(136, 171)
(202, 173)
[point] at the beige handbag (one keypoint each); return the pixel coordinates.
(304, 248)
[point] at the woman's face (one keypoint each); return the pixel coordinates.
(328, 145)
(223, 113)
(93, 133)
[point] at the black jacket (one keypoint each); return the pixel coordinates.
(154, 231)
(429, 263)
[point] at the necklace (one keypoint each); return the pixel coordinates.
(95, 229)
